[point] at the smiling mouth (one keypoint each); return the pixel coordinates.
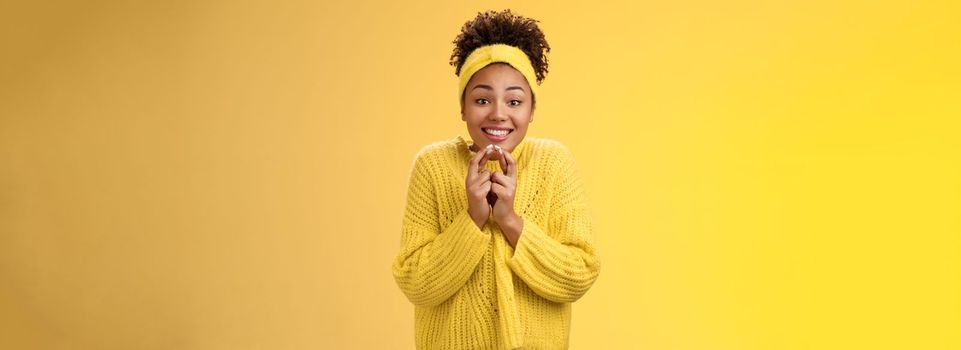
(497, 132)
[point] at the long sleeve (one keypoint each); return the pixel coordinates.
(434, 262)
(559, 262)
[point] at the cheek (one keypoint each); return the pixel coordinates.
(523, 120)
(472, 121)
(473, 115)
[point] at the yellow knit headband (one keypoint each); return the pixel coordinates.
(484, 55)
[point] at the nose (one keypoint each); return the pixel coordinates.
(498, 113)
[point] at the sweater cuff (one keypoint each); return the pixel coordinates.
(555, 271)
(529, 244)
(465, 234)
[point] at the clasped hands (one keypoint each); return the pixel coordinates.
(490, 194)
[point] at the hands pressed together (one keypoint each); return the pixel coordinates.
(491, 194)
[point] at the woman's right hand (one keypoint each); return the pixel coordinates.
(478, 186)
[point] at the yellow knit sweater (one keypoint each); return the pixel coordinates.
(469, 288)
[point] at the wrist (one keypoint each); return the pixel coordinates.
(476, 218)
(512, 225)
(479, 222)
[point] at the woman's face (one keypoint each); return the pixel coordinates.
(497, 97)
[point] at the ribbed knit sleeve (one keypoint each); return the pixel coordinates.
(559, 262)
(436, 257)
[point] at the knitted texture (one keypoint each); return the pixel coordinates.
(469, 287)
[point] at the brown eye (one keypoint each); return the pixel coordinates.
(518, 103)
(481, 101)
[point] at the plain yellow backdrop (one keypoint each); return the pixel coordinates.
(231, 174)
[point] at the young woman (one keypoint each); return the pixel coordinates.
(496, 240)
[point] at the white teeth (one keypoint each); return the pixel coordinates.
(496, 132)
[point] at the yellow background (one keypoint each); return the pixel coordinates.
(231, 174)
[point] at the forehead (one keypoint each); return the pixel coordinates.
(499, 74)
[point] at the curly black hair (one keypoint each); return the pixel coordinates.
(504, 27)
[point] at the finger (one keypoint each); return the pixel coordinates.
(472, 165)
(500, 190)
(475, 179)
(475, 162)
(486, 186)
(511, 165)
(506, 183)
(482, 163)
(501, 179)
(501, 160)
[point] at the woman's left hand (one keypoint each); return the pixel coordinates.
(504, 185)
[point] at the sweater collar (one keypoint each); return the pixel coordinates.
(519, 152)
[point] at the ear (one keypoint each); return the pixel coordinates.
(533, 108)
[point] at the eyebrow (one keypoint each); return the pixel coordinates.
(488, 87)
